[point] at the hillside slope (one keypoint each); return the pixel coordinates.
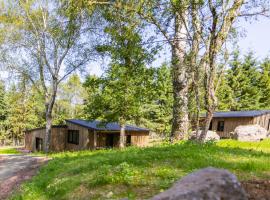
(139, 173)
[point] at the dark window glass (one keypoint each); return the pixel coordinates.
(73, 136)
(39, 144)
(220, 126)
(210, 126)
(109, 140)
(128, 140)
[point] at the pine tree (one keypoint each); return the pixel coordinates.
(243, 79)
(224, 94)
(157, 111)
(24, 111)
(264, 84)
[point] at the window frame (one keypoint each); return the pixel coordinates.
(73, 137)
(220, 127)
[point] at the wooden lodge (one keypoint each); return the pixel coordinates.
(81, 134)
(224, 123)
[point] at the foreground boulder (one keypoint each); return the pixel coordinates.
(210, 135)
(250, 133)
(206, 184)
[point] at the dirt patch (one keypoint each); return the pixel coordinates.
(257, 189)
(11, 184)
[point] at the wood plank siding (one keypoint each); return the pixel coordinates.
(139, 139)
(58, 138)
(87, 138)
(230, 123)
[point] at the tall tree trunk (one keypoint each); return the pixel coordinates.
(48, 130)
(207, 122)
(180, 123)
(194, 59)
(211, 104)
(198, 104)
(209, 85)
(49, 108)
(13, 139)
(217, 38)
(122, 136)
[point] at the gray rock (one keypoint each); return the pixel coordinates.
(210, 136)
(205, 184)
(250, 133)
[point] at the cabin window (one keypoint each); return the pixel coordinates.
(110, 140)
(211, 126)
(128, 140)
(73, 136)
(220, 126)
(39, 144)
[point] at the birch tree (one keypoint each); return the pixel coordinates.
(222, 17)
(170, 19)
(47, 43)
(196, 32)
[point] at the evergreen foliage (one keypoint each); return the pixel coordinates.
(24, 111)
(240, 86)
(22, 107)
(46, 41)
(264, 84)
(157, 112)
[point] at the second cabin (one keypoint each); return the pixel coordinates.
(224, 123)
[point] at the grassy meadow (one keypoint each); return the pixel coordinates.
(139, 173)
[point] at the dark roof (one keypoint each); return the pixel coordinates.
(40, 128)
(235, 114)
(97, 125)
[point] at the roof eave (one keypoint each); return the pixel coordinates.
(97, 129)
(88, 127)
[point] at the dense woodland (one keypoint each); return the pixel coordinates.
(46, 48)
(245, 85)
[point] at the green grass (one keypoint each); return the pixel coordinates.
(139, 173)
(8, 151)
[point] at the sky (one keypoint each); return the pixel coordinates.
(256, 38)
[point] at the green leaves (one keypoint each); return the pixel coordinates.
(264, 84)
(23, 110)
(69, 104)
(246, 84)
(120, 92)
